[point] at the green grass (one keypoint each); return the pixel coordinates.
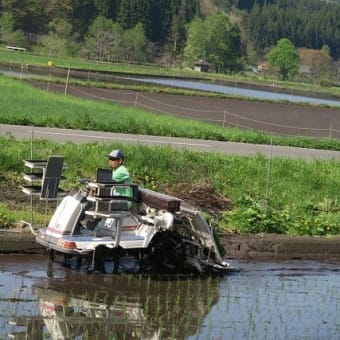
(297, 197)
(24, 105)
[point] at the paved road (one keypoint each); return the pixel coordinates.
(243, 149)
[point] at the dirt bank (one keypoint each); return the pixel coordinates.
(237, 246)
(280, 247)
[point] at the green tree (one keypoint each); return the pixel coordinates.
(28, 15)
(284, 56)
(252, 56)
(53, 45)
(6, 24)
(318, 64)
(216, 40)
(59, 40)
(84, 12)
(326, 49)
(135, 44)
(177, 36)
(100, 41)
(60, 27)
(107, 8)
(132, 12)
(223, 42)
(58, 8)
(8, 34)
(196, 45)
(307, 23)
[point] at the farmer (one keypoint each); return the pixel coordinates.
(120, 173)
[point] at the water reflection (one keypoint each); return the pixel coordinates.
(122, 307)
(238, 91)
(31, 72)
(264, 300)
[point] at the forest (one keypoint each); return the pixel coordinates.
(234, 34)
(307, 23)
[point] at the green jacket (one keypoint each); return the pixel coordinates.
(122, 175)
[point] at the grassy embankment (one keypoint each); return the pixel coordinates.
(24, 105)
(287, 196)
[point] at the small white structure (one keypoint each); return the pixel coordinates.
(15, 48)
(201, 66)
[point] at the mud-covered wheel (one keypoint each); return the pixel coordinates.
(79, 262)
(51, 255)
(89, 263)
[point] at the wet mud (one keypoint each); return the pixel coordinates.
(261, 300)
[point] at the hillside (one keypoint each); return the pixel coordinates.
(207, 7)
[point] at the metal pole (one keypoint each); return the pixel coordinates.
(268, 172)
(32, 139)
(32, 221)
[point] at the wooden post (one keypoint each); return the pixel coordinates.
(48, 82)
(224, 117)
(136, 99)
(21, 71)
(330, 131)
(67, 78)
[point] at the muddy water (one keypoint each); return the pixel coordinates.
(263, 300)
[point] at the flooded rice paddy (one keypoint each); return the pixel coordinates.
(237, 90)
(262, 300)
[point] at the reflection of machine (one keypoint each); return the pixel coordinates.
(133, 307)
(155, 232)
(68, 317)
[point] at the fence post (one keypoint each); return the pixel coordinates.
(136, 99)
(330, 131)
(48, 82)
(268, 173)
(32, 141)
(67, 78)
(224, 117)
(21, 71)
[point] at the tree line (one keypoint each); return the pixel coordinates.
(161, 19)
(307, 23)
(175, 32)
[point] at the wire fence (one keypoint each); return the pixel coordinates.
(161, 103)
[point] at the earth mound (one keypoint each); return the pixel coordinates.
(202, 196)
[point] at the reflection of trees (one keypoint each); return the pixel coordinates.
(106, 307)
